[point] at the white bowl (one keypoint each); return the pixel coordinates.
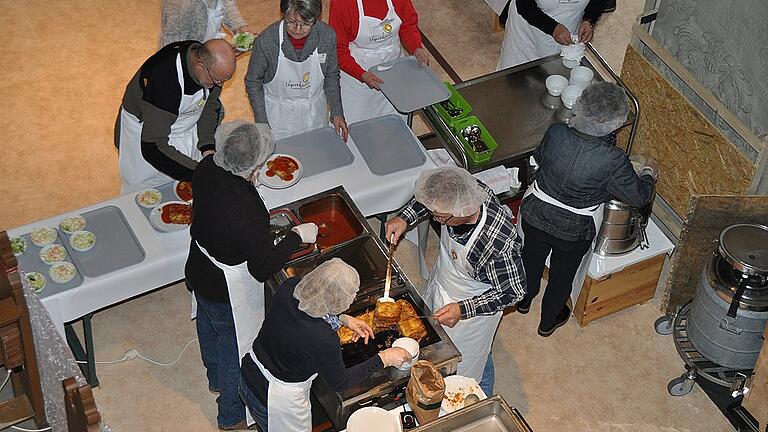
(570, 95)
(555, 84)
(581, 76)
(373, 419)
(82, 241)
(410, 345)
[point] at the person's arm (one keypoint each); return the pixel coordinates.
(532, 13)
(266, 258)
(626, 186)
(176, 17)
(156, 147)
(413, 212)
(255, 78)
(343, 18)
(409, 29)
(332, 84)
(232, 18)
(593, 11)
(330, 366)
(209, 121)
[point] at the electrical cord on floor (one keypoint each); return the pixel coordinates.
(132, 354)
(7, 377)
(30, 430)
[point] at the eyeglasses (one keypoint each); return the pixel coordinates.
(213, 80)
(300, 24)
(442, 219)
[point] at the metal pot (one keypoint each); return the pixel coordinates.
(623, 227)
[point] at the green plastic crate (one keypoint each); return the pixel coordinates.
(478, 158)
(458, 101)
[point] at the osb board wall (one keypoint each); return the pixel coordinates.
(705, 218)
(693, 156)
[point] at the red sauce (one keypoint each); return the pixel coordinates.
(282, 166)
(270, 173)
(184, 191)
(177, 214)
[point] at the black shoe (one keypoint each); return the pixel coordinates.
(610, 6)
(562, 318)
(524, 306)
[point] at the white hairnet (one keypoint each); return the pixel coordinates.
(328, 289)
(601, 109)
(241, 147)
(450, 190)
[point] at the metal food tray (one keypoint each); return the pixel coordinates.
(489, 415)
(30, 261)
(319, 150)
(168, 194)
(116, 244)
(408, 85)
(387, 144)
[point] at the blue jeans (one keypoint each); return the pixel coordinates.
(489, 376)
(254, 405)
(218, 349)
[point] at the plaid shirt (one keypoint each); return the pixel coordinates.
(495, 256)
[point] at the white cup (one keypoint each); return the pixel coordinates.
(555, 84)
(570, 95)
(581, 76)
(570, 64)
(410, 345)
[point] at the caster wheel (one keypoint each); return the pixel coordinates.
(680, 386)
(664, 325)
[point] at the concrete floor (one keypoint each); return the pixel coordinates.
(64, 69)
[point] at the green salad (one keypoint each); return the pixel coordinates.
(18, 245)
(36, 281)
(244, 41)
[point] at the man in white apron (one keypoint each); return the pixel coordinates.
(479, 271)
(377, 41)
(538, 28)
(293, 75)
(231, 254)
(561, 212)
(199, 20)
(170, 112)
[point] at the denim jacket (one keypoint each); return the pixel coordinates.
(580, 171)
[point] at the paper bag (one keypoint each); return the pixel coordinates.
(425, 391)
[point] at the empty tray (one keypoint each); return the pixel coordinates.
(116, 245)
(30, 261)
(409, 86)
(387, 145)
(318, 151)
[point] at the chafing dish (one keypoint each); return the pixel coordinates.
(489, 415)
(367, 253)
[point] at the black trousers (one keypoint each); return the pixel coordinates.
(565, 260)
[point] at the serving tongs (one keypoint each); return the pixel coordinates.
(388, 280)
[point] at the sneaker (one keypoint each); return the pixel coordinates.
(524, 306)
(562, 318)
(610, 6)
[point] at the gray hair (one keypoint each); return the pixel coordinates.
(308, 10)
(242, 147)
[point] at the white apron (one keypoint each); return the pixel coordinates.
(377, 42)
(288, 405)
(135, 172)
(524, 42)
(295, 100)
(596, 213)
(452, 281)
(246, 297)
(214, 21)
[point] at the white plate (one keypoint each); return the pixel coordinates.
(275, 182)
(155, 218)
(373, 419)
(176, 193)
(70, 274)
(149, 198)
(72, 224)
(461, 386)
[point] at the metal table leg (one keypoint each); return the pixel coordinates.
(89, 368)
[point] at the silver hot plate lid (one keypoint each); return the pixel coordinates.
(745, 247)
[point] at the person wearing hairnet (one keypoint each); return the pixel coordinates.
(579, 170)
(538, 28)
(293, 76)
(479, 271)
(230, 256)
(298, 342)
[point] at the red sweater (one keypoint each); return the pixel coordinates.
(298, 44)
(343, 17)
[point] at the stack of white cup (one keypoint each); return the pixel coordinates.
(581, 78)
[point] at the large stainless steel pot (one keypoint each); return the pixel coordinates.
(623, 227)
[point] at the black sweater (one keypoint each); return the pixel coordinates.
(293, 346)
(230, 221)
(531, 12)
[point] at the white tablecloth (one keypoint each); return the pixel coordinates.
(166, 253)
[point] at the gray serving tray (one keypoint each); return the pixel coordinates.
(30, 262)
(116, 244)
(387, 145)
(409, 86)
(166, 190)
(318, 151)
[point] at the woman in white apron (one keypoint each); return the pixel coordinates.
(538, 28)
(377, 40)
(298, 343)
(456, 200)
(232, 252)
(561, 212)
(199, 20)
(293, 76)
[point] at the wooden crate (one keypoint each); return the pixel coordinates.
(634, 285)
